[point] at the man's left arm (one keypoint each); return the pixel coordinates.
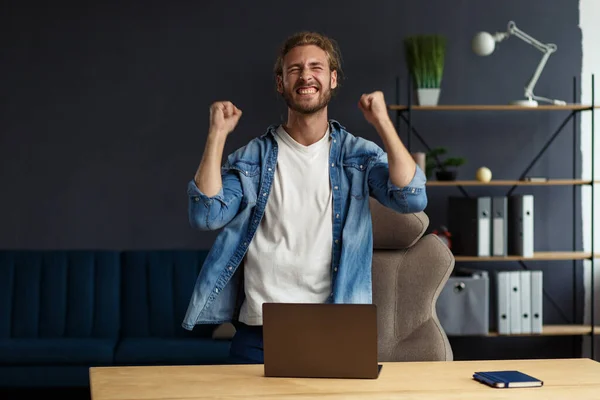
(406, 186)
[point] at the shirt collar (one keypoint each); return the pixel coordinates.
(334, 129)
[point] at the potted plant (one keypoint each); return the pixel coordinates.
(445, 169)
(425, 55)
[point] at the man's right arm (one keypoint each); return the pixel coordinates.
(208, 176)
(214, 201)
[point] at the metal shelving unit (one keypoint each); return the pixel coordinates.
(404, 114)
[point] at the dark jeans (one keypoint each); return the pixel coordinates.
(247, 344)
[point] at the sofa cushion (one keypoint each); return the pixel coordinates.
(71, 351)
(59, 294)
(157, 287)
(140, 351)
(44, 377)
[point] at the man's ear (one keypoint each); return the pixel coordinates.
(334, 79)
(279, 83)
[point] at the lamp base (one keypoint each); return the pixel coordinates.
(524, 103)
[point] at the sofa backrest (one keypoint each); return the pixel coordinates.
(56, 294)
(157, 286)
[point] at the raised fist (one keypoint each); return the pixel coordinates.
(373, 107)
(224, 117)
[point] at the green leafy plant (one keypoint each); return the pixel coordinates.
(434, 161)
(425, 55)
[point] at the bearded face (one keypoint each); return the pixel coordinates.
(306, 83)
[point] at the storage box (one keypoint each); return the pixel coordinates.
(463, 304)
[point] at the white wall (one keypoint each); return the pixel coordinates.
(589, 15)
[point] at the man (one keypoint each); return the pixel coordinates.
(294, 202)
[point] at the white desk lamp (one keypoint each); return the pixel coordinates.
(484, 43)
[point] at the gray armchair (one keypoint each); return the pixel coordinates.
(409, 272)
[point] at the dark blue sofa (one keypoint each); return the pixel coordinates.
(62, 312)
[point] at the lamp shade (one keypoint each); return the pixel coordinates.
(483, 43)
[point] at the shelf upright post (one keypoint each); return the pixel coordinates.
(574, 217)
(593, 186)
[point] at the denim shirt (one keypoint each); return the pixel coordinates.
(358, 168)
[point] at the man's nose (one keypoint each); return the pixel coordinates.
(305, 75)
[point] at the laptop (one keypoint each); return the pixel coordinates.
(320, 340)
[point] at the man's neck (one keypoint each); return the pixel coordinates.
(306, 129)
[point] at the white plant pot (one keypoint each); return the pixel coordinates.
(428, 97)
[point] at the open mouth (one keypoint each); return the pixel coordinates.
(304, 91)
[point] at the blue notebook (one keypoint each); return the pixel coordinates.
(507, 379)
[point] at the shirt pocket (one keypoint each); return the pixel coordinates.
(246, 169)
(249, 176)
(355, 169)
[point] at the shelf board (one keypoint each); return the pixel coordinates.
(557, 330)
(537, 256)
(493, 107)
(550, 182)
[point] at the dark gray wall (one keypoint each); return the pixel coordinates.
(104, 107)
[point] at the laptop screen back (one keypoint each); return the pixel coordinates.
(320, 340)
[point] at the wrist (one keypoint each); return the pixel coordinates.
(383, 123)
(215, 141)
(217, 134)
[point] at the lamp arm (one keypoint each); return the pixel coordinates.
(546, 48)
(536, 76)
(543, 47)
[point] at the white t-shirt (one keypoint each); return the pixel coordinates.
(289, 259)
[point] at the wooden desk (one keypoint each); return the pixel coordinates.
(563, 379)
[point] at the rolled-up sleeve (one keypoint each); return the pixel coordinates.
(214, 212)
(408, 199)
